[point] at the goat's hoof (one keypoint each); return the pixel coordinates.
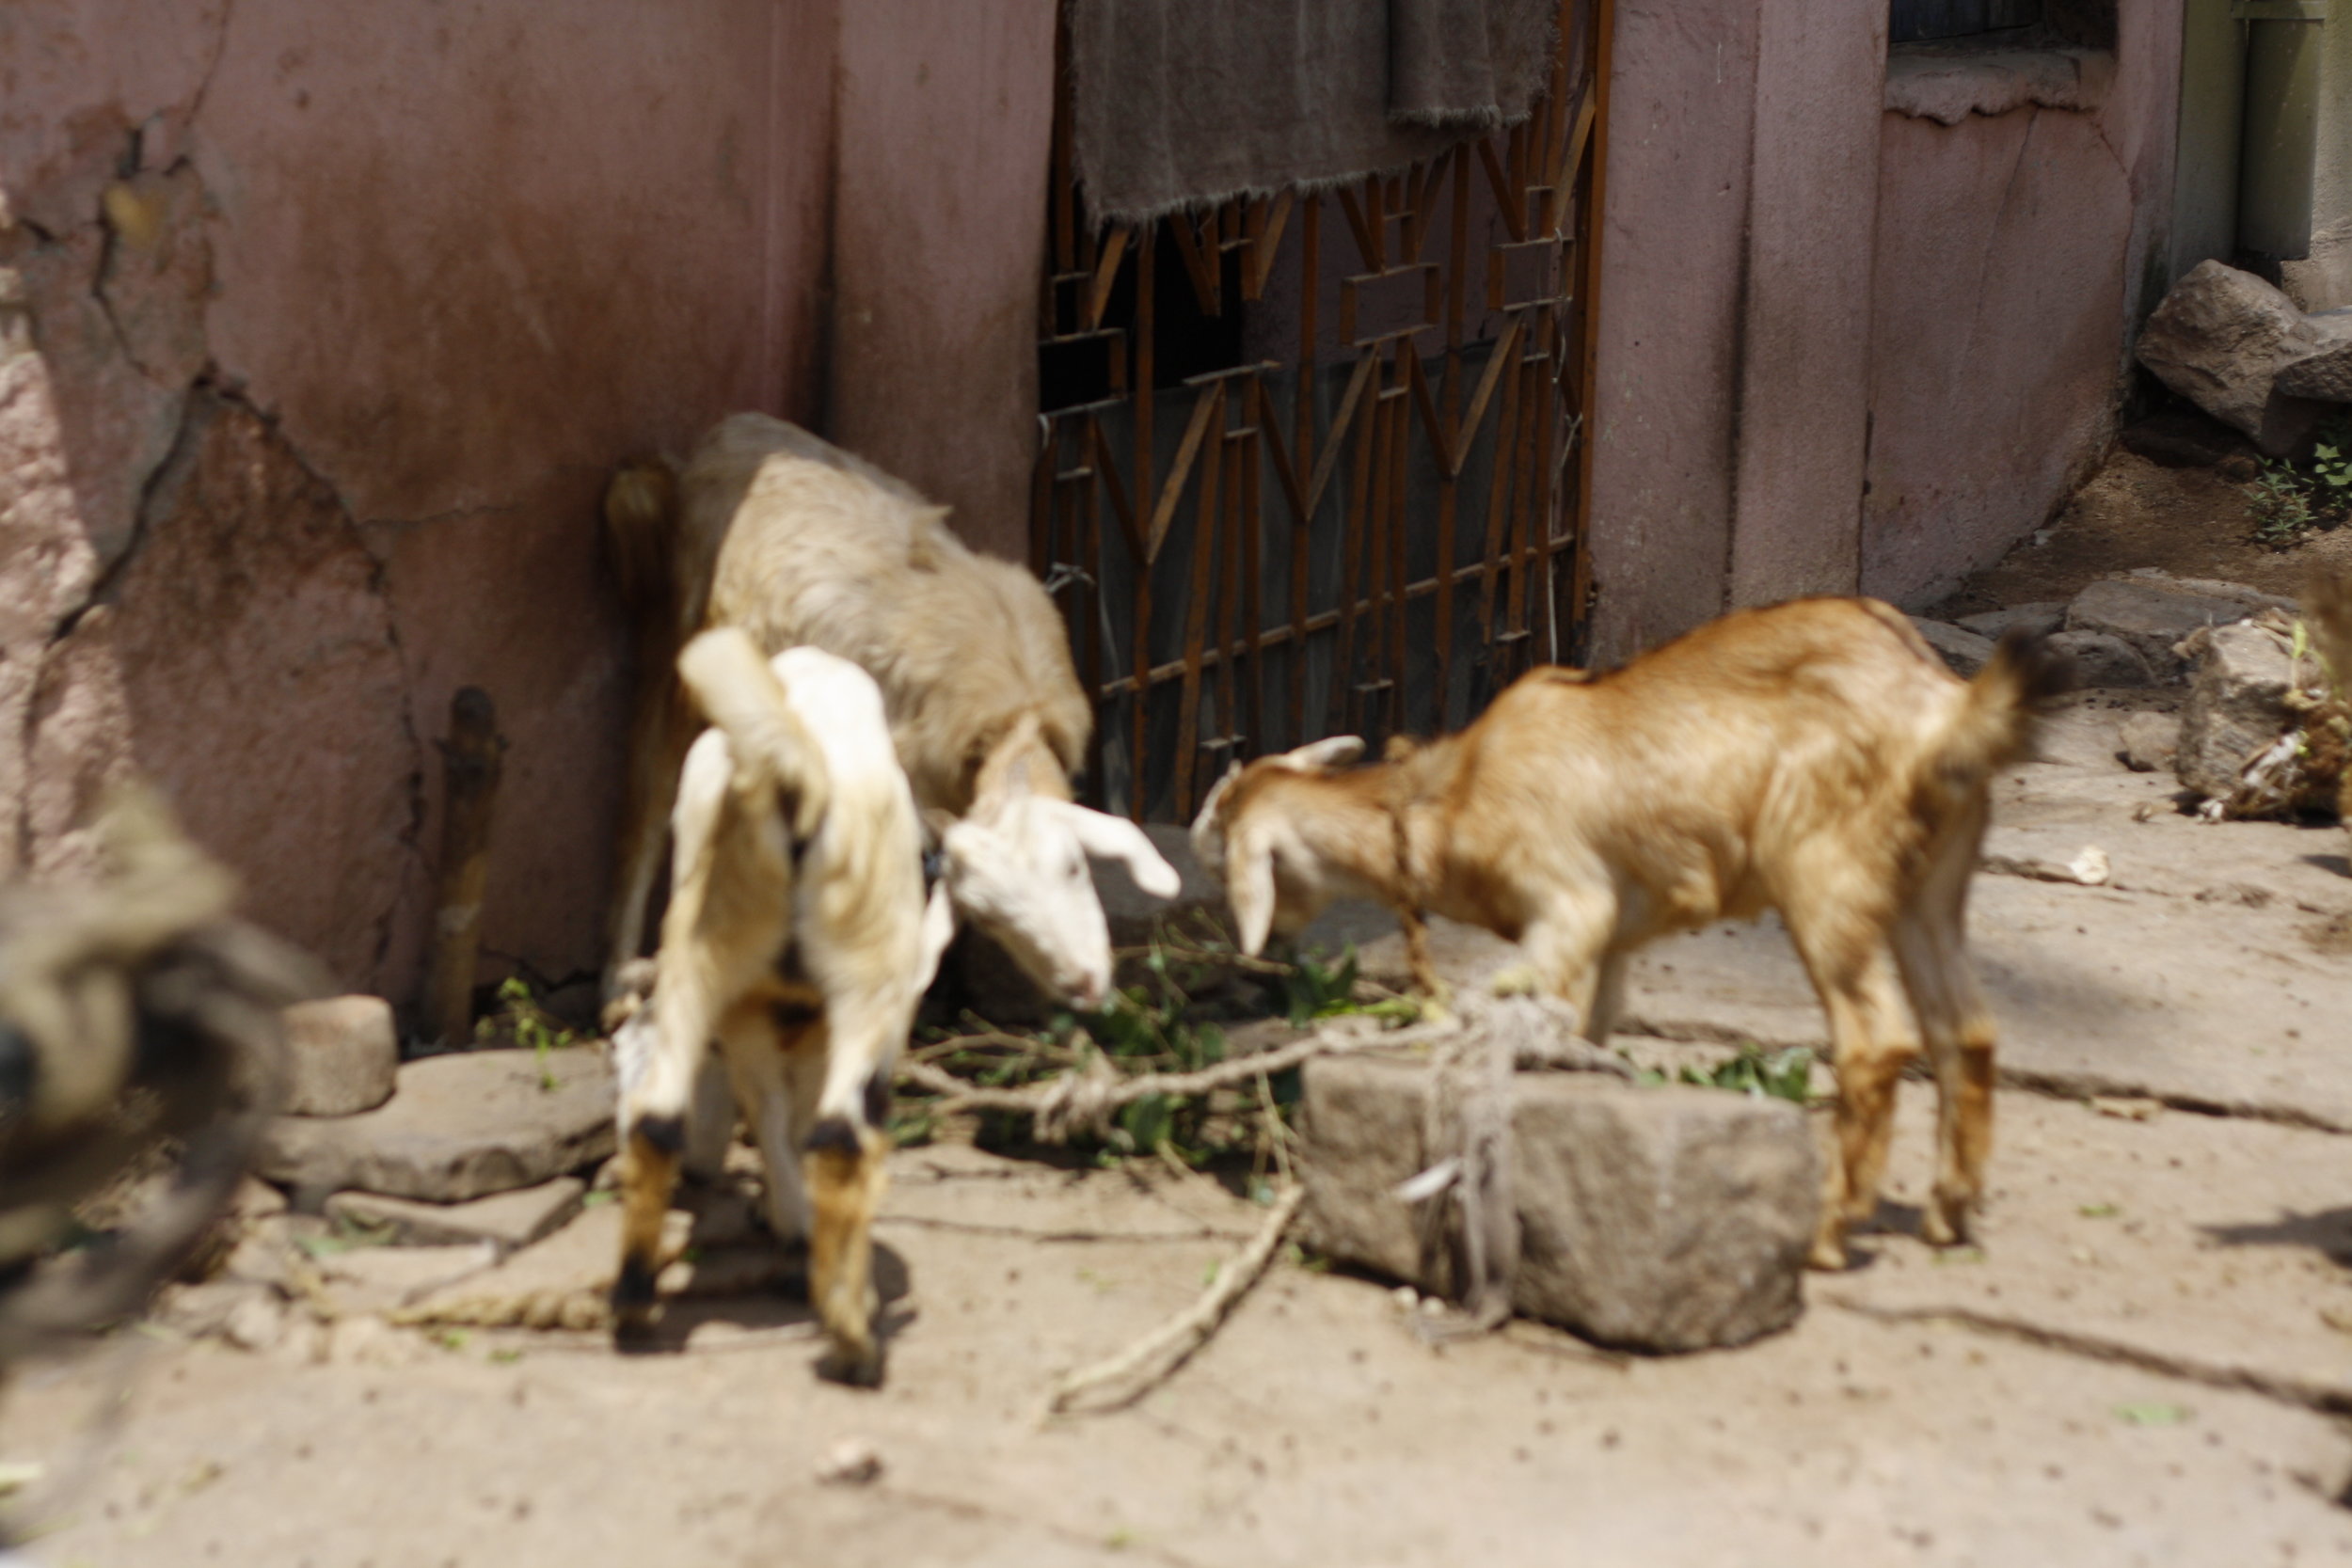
(1946, 1222)
(1829, 1252)
(634, 1304)
(851, 1366)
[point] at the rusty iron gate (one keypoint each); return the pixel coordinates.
(1312, 464)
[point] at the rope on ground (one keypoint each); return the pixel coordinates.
(1144, 1365)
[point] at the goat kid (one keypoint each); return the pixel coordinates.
(1815, 757)
(772, 531)
(799, 934)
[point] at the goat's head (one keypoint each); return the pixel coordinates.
(1244, 850)
(1016, 867)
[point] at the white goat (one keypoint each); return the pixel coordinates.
(798, 932)
(1815, 757)
(772, 529)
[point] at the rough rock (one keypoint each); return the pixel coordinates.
(1666, 1219)
(2041, 618)
(2219, 339)
(459, 1127)
(2151, 615)
(342, 1055)
(2236, 705)
(2182, 438)
(2326, 375)
(1964, 651)
(383, 1278)
(507, 1220)
(2102, 659)
(2150, 741)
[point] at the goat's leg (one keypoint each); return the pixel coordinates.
(1607, 997)
(1960, 1039)
(758, 1066)
(1871, 1032)
(847, 1174)
(1569, 953)
(659, 733)
(1417, 963)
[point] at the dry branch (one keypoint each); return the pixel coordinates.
(1141, 1367)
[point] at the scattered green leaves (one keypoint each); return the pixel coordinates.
(2152, 1412)
(531, 1026)
(1786, 1074)
(2290, 500)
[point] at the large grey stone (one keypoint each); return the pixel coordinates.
(2326, 375)
(2236, 705)
(2102, 659)
(1666, 1219)
(2151, 615)
(2219, 339)
(1964, 651)
(2150, 741)
(459, 1127)
(342, 1054)
(506, 1220)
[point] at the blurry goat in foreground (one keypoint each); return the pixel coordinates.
(1815, 757)
(131, 1012)
(798, 933)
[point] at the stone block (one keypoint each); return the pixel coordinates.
(2151, 616)
(2236, 705)
(1964, 651)
(459, 1127)
(2102, 659)
(1662, 1219)
(342, 1055)
(2041, 618)
(2219, 339)
(506, 1220)
(2326, 375)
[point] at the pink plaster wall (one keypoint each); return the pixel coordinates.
(946, 110)
(444, 263)
(1805, 329)
(2015, 254)
(1682, 120)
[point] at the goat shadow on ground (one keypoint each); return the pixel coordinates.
(2340, 866)
(779, 1304)
(2325, 1231)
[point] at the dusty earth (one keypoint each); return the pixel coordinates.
(2148, 1360)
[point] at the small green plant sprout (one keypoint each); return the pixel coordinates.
(2290, 500)
(2099, 1211)
(1786, 1074)
(530, 1025)
(2152, 1412)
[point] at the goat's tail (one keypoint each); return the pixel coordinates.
(738, 691)
(641, 536)
(1996, 722)
(2328, 613)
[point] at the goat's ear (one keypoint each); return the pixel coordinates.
(1115, 838)
(1249, 887)
(939, 929)
(1336, 751)
(1204, 820)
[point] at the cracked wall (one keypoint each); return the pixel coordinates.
(320, 325)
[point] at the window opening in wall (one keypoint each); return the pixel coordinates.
(2004, 24)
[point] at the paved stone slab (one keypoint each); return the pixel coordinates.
(2151, 616)
(1666, 1219)
(506, 1220)
(342, 1054)
(2041, 617)
(460, 1126)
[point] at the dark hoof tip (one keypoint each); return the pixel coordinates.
(851, 1372)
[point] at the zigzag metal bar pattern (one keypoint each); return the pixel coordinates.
(1421, 431)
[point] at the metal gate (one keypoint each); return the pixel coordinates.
(1312, 464)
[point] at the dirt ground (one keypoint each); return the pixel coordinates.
(2147, 1361)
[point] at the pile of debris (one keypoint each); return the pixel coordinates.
(2267, 725)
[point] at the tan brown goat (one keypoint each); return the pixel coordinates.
(1816, 757)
